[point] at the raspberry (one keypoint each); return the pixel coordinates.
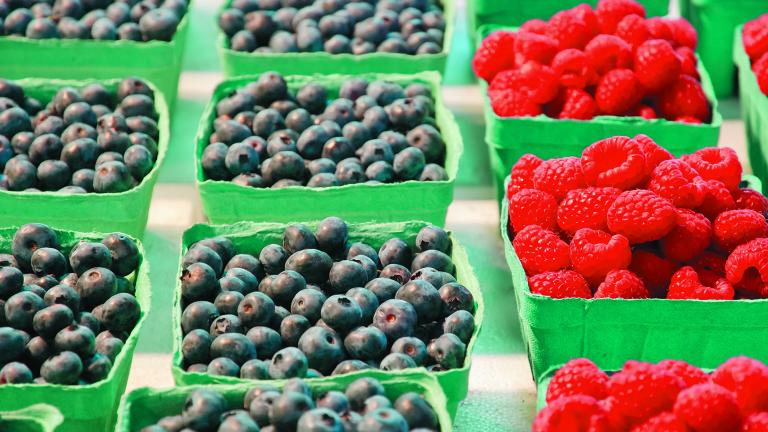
(539, 83)
(568, 414)
(756, 422)
(709, 262)
(614, 162)
(641, 216)
(664, 422)
(717, 199)
(578, 377)
(748, 379)
(579, 105)
(654, 271)
(735, 227)
(683, 33)
(534, 47)
(688, 62)
(656, 64)
(608, 52)
(748, 264)
(622, 284)
(755, 37)
(558, 176)
(611, 12)
(541, 250)
(633, 30)
(643, 390)
(687, 119)
(717, 163)
(521, 175)
(645, 112)
(684, 97)
(676, 181)
(595, 253)
(513, 104)
(685, 284)
(574, 68)
(569, 30)
(689, 238)
(587, 14)
(751, 199)
(616, 420)
(559, 284)
(659, 28)
(654, 153)
(534, 26)
(585, 208)
(690, 374)
(708, 407)
(532, 207)
(495, 54)
(618, 92)
(760, 68)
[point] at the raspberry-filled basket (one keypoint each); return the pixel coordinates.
(550, 87)
(613, 261)
(226, 202)
(90, 375)
(36, 418)
(260, 241)
(751, 61)
(125, 211)
(731, 395)
(318, 60)
(145, 406)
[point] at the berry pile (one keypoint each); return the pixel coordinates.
(334, 26)
(668, 396)
(134, 20)
(64, 321)
(363, 406)
(755, 38)
(84, 140)
(269, 136)
(320, 305)
(628, 220)
(584, 63)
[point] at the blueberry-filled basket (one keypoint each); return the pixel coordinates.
(225, 202)
(36, 418)
(250, 238)
(246, 63)
(101, 212)
(91, 407)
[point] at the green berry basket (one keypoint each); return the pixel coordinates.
(715, 21)
(105, 212)
(91, 407)
(612, 331)
(251, 237)
(237, 63)
(144, 406)
(225, 202)
(754, 110)
(77, 59)
(36, 418)
(509, 138)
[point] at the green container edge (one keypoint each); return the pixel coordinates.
(144, 405)
(35, 418)
(106, 212)
(237, 63)
(91, 407)
(225, 202)
(612, 331)
(754, 110)
(454, 382)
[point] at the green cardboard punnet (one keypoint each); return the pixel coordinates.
(35, 418)
(612, 331)
(754, 110)
(237, 63)
(145, 406)
(225, 202)
(91, 407)
(251, 237)
(107, 212)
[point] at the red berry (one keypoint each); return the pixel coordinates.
(756, 422)
(587, 14)
(659, 28)
(748, 379)
(579, 105)
(521, 174)
(717, 163)
(569, 30)
(539, 82)
(532, 207)
(633, 30)
(622, 284)
(614, 162)
(645, 112)
(685, 97)
(560, 284)
(689, 238)
(654, 153)
(710, 262)
(534, 26)
(513, 104)
(654, 271)
(585, 208)
(568, 414)
(688, 62)
(595, 253)
(664, 422)
(683, 33)
(735, 227)
(717, 199)
(708, 407)
(687, 372)
(608, 52)
(755, 37)
(656, 64)
(641, 216)
(578, 377)
(760, 68)
(748, 264)
(574, 68)
(495, 54)
(751, 199)
(611, 12)
(534, 47)
(618, 92)
(685, 284)
(643, 390)
(676, 181)
(558, 176)
(540, 250)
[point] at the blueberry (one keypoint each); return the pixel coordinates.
(383, 419)
(373, 30)
(349, 171)
(270, 87)
(234, 346)
(383, 288)
(226, 324)
(159, 24)
(260, 25)
(308, 303)
(76, 338)
(273, 258)
(144, 125)
(424, 297)
(42, 28)
(385, 92)
(283, 42)
(338, 149)
(435, 259)
(409, 164)
(171, 423)
(345, 275)
(284, 165)
(124, 253)
(15, 373)
(397, 361)
(267, 121)
(448, 351)
(461, 323)
(298, 119)
(361, 389)
(198, 315)
(13, 121)
(36, 351)
(357, 133)
(393, 45)
(241, 158)
(48, 321)
(353, 88)
(338, 44)
(120, 313)
(198, 281)
(285, 286)
(233, 104)
(246, 262)
(213, 161)
(366, 300)
(231, 132)
(112, 177)
(64, 295)
(311, 141)
(428, 140)
(433, 172)
(428, 274)
(80, 153)
(96, 368)
(139, 161)
(113, 122)
(45, 146)
(363, 104)
(289, 362)
(331, 128)
(255, 309)
(195, 347)
(237, 421)
(321, 166)
(255, 369)
(395, 251)
(412, 347)
(298, 237)
(104, 29)
(358, 248)
(22, 141)
(227, 301)
(283, 18)
(86, 255)
(89, 320)
(261, 405)
(203, 409)
(320, 420)
(366, 343)
(340, 111)
(21, 308)
(341, 313)
(111, 141)
(335, 401)
(396, 318)
(292, 327)
(266, 340)
(416, 411)
(434, 19)
(250, 282)
(376, 120)
(288, 409)
(63, 368)
(53, 175)
(312, 97)
(322, 180)
(17, 21)
(323, 348)
(11, 281)
(376, 150)
(406, 114)
(198, 368)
